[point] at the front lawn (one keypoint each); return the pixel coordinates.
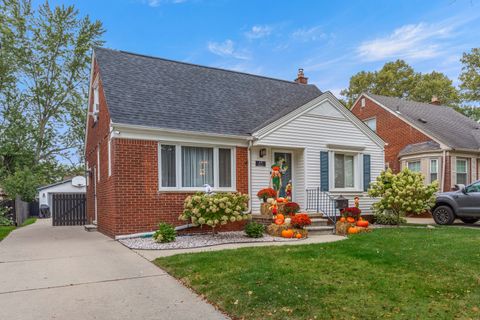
(5, 230)
(405, 273)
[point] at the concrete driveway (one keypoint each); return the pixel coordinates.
(67, 273)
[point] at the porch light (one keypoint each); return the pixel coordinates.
(262, 152)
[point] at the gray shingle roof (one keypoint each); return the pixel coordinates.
(419, 147)
(441, 122)
(155, 92)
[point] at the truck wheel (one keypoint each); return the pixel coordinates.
(443, 215)
(469, 220)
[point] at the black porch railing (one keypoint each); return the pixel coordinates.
(322, 202)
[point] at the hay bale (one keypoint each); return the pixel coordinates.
(275, 230)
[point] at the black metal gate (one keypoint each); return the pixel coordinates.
(69, 209)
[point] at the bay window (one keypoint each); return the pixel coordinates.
(433, 170)
(191, 167)
(414, 166)
(461, 169)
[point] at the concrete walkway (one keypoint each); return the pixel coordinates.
(153, 254)
(67, 273)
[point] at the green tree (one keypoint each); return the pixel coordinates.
(398, 79)
(470, 76)
(44, 59)
(402, 193)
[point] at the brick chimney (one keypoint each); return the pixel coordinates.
(435, 101)
(301, 77)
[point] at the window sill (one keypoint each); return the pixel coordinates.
(193, 190)
(347, 191)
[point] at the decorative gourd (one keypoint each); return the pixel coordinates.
(362, 223)
(353, 230)
(278, 221)
(350, 220)
(298, 236)
(287, 233)
(280, 216)
(342, 219)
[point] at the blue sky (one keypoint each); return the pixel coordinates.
(331, 40)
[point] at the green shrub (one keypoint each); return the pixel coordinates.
(215, 209)
(4, 220)
(388, 218)
(165, 233)
(402, 193)
(254, 230)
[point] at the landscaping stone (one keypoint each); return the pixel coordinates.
(198, 241)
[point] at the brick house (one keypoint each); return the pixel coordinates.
(436, 140)
(159, 130)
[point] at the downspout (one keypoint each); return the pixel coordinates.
(444, 166)
(250, 143)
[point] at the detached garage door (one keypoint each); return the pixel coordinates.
(69, 209)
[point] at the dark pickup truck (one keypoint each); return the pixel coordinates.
(463, 204)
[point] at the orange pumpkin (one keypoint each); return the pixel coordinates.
(350, 220)
(353, 230)
(279, 221)
(279, 200)
(362, 223)
(298, 236)
(287, 233)
(280, 216)
(342, 219)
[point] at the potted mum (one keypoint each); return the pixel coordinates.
(265, 194)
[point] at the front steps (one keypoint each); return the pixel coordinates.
(90, 227)
(319, 226)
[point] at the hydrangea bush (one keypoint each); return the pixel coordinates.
(402, 193)
(215, 209)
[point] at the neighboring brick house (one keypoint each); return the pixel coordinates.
(158, 130)
(436, 140)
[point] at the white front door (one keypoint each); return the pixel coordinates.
(280, 157)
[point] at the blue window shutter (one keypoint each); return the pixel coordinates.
(323, 170)
(366, 172)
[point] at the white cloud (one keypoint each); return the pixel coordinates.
(258, 31)
(415, 41)
(309, 34)
(227, 49)
(156, 3)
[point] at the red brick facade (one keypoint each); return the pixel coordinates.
(129, 201)
(393, 130)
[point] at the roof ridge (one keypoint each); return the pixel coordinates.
(196, 65)
(409, 100)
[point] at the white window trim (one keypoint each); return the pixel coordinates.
(414, 161)
(370, 119)
(466, 169)
(109, 156)
(98, 162)
(362, 102)
(357, 171)
(178, 167)
(430, 170)
(96, 97)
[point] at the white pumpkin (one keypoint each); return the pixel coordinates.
(288, 220)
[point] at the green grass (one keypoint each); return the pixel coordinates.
(29, 221)
(404, 273)
(5, 230)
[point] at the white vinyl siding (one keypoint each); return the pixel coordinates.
(307, 135)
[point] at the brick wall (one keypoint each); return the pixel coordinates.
(97, 138)
(391, 129)
(139, 204)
